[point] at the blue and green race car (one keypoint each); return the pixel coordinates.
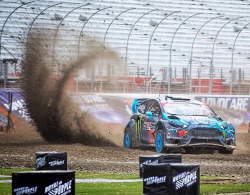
(178, 123)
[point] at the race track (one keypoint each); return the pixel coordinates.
(18, 150)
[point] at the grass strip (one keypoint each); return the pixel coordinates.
(137, 188)
(125, 188)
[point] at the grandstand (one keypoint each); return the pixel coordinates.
(181, 46)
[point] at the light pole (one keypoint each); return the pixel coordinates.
(190, 68)
(170, 54)
(33, 21)
(79, 40)
(232, 62)
(210, 81)
(105, 39)
(57, 28)
(126, 59)
(149, 48)
(6, 22)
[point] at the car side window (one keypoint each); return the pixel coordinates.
(153, 107)
(142, 108)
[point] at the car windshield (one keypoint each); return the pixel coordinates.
(188, 109)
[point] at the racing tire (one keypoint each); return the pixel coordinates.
(127, 139)
(159, 141)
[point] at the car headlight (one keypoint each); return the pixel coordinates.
(224, 125)
(184, 126)
(178, 123)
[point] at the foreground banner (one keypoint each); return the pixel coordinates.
(157, 159)
(51, 161)
(171, 179)
(43, 182)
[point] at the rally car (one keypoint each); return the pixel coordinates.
(177, 123)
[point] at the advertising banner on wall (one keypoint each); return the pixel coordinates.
(116, 108)
(18, 102)
(107, 109)
(234, 102)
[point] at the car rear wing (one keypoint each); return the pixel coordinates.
(176, 98)
(136, 103)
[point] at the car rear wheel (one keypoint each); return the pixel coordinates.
(127, 139)
(159, 141)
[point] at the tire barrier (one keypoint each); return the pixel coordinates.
(156, 159)
(51, 161)
(174, 179)
(43, 182)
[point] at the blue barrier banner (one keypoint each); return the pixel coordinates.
(18, 102)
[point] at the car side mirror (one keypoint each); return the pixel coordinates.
(149, 114)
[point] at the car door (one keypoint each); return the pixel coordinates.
(150, 119)
(140, 122)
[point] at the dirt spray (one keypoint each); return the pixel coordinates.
(55, 116)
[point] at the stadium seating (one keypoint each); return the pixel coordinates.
(142, 40)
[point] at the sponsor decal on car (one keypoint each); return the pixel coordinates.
(138, 126)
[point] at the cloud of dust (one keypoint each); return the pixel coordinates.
(55, 116)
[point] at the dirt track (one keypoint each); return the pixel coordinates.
(18, 150)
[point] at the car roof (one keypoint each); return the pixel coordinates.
(180, 99)
(169, 99)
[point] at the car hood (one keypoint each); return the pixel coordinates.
(200, 120)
